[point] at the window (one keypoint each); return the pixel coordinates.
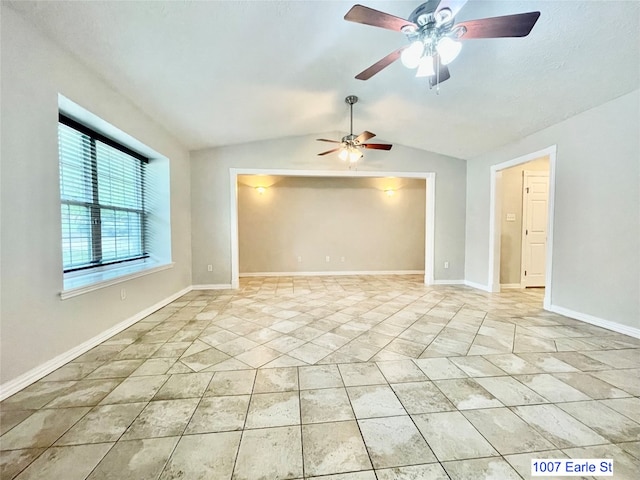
(103, 193)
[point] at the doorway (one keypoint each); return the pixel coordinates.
(508, 230)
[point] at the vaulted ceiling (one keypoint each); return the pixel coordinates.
(225, 72)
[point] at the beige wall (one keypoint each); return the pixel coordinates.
(350, 220)
(211, 195)
(36, 324)
(511, 232)
(596, 251)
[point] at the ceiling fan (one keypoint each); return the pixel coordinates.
(351, 144)
(434, 36)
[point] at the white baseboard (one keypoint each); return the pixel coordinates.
(332, 274)
(598, 322)
(214, 286)
(13, 386)
(479, 286)
(509, 286)
(448, 282)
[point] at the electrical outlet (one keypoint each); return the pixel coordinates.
(446, 264)
(210, 268)
(123, 294)
(327, 259)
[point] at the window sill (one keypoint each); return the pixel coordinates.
(89, 282)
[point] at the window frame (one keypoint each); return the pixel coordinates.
(97, 262)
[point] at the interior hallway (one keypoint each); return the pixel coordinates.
(372, 377)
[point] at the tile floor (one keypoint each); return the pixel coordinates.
(341, 378)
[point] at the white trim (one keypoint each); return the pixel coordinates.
(74, 292)
(449, 282)
(13, 386)
(430, 197)
(331, 274)
(509, 286)
(485, 288)
(493, 280)
(599, 322)
(214, 286)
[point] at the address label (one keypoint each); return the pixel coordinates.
(571, 467)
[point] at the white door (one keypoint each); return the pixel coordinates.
(535, 210)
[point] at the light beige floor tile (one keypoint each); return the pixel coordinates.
(431, 471)
(607, 422)
(206, 358)
(76, 371)
(591, 386)
(12, 462)
(507, 432)
(325, 405)
(235, 382)
(467, 394)
(104, 423)
(139, 459)
(11, 418)
(551, 388)
(42, 428)
(558, 427)
(162, 418)
(355, 374)
(439, 368)
(310, 353)
(258, 356)
(219, 414)
(627, 380)
(276, 380)
(364, 475)
(273, 410)
(36, 395)
(632, 448)
(486, 468)
(374, 401)
(189, 385)
(629, 407)
(155, 366)
(319, 376)
(452, 437)
(477, 366)
(116, 369)
(203, 457)
(70, 463)
(331, 448)
(394, 442)
(421, 397)
(510, 391)
(273, 453)
(401, 371)
(136, 389)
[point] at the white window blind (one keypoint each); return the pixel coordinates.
(102, 193)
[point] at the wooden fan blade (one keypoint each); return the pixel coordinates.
(518, 25)
(364, 136)
(377, 146)
(375, 18)
(326, 140)
(453, 5)
(380, 64)
(329, 151)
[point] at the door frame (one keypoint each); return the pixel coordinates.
(430, 210)
(495, 215)
(525, 174)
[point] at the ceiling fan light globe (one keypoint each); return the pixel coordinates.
(354, 156)
(344, 153)
(425, 68)
(448, 50)
(411, 55)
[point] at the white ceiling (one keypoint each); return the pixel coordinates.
(225, 72)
